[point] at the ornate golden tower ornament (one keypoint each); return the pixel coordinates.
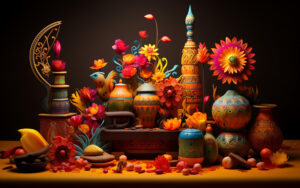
(191, 80)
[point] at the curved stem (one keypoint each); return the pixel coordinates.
(203, 89)
(156, 41)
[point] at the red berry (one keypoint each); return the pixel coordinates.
(105, 171)
(266, 153)
(87, 168)
(20, 151)
(260, 166)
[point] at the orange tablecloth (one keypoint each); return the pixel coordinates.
(220, 176)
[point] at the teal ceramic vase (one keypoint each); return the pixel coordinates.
(191, 146)
(231, 111)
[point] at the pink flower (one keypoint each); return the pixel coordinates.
(143, 34)
(58, 65)
(57, 48)
(149, 17)
(120, 47)
(141, 62)
(165, 39)
(206, 99)
(75, 120)
(91, 123)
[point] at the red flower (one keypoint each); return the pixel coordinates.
(206, 99)
(57, 48)
(120, 47)
(162, 163)
(58, 65)
(165, 39)
(128, 71)
(143, 34)
(75, 120)
(202, 55)
(62, 150)
(170, 93)
(149, 17)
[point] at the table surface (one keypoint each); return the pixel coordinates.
(216, 174)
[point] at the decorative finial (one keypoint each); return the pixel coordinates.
(189, 22)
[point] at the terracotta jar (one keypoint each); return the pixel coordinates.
(120, 99)
(265, 132)
(146, 105)
(231, 111)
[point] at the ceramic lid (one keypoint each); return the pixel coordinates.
(146, 87)
(191, 134)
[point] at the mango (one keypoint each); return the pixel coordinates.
(31, 140)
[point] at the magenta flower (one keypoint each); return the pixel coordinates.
(95, 112)
(57, 48)
(120, 47)
(87, 94)
(141, 62)
(75, 120)
(91, 123)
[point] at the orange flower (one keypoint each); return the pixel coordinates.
(128, 59)
(158, 76)
(128, 71)
(98, 64)
(143, 34)
(85, 128)
(197, 121)
(172, 124)
(145, 73)
(202, 55)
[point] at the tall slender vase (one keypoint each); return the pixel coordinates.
(191, 80)
(265, 132)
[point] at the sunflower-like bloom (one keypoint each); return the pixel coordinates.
(98, 64)
(172, 124)
(170, 93)
(197, 121)
(77, 102)
(232, 61)
(62, 150)
(150, 52)
(158, 76)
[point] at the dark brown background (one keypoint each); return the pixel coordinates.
(90, 28)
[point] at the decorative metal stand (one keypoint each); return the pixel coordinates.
(56, 103)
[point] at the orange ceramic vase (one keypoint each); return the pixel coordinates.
(146, 105)
(120, 99)
(265, 132)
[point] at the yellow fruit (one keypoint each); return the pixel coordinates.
(31, 140)
(93, 150)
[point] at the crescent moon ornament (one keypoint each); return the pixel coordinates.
(39, 56)
(39, 51)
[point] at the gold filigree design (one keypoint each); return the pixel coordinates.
(189, 56)
(40, 49)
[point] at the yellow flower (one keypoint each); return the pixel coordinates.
(172, 124)
(128, 59)
(84, 127)
(197, 121)
(149, 51)
(77, 102)
(158, 76)
(279, 158)
(98, 64)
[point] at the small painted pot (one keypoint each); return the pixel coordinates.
(231, 111)
(60, 106)
(146, 105)
(191, 146)
(120, 99)
(233, 142)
